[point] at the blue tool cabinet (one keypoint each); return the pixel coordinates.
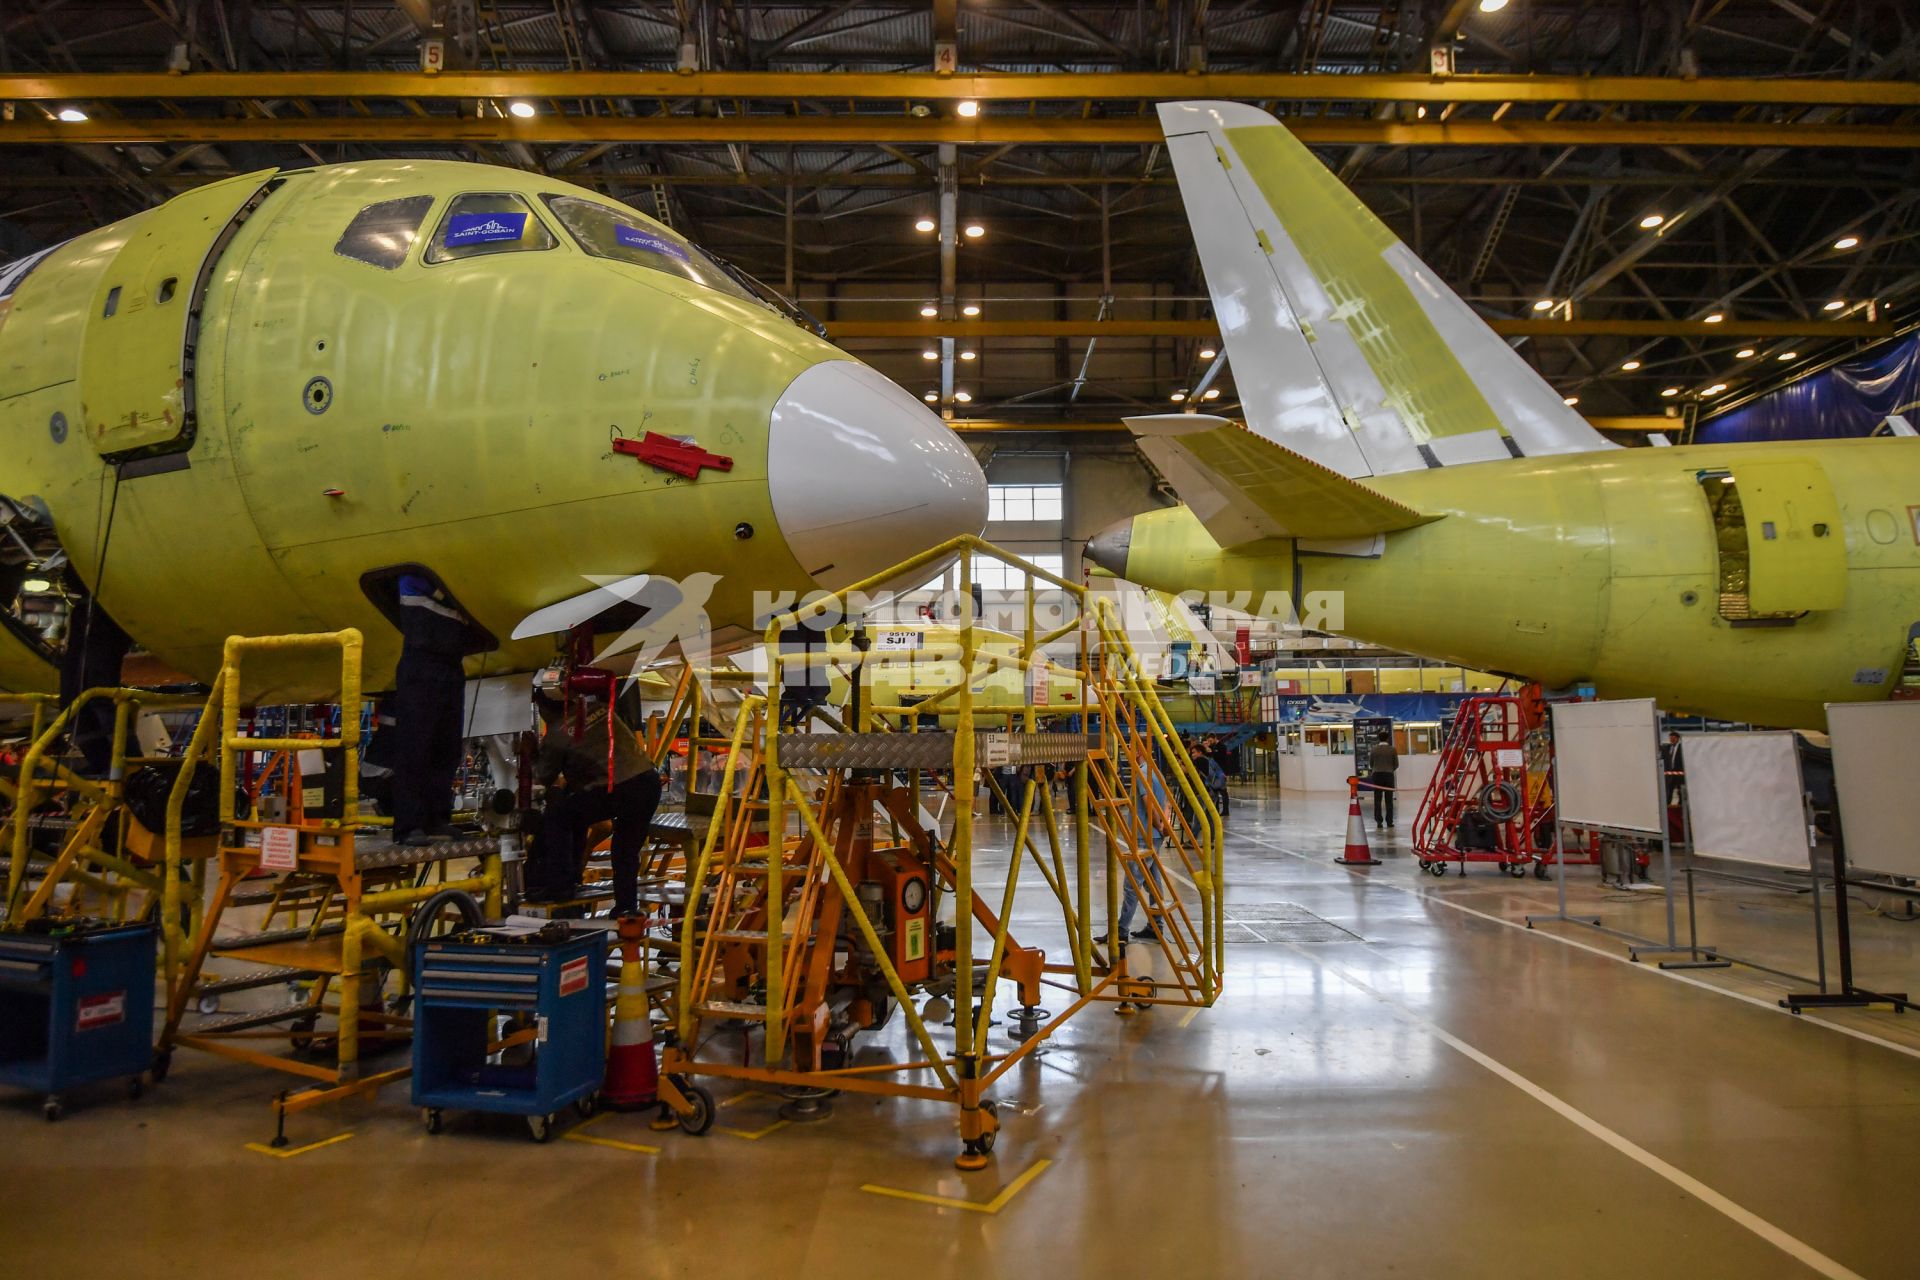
(557, 989)
(76, 1006)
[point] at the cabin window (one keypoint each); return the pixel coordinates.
(606, 232)
(381, 234)
(480, 223)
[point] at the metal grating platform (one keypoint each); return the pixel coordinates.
(931, 749)
(1268, 922)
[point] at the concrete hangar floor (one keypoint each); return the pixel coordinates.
(1400, 1079)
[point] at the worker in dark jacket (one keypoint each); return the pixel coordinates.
(1383, 762)
(573, 765)
(428, 707)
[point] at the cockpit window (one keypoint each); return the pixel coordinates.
(382, 233)
(606, 232)
(487, 222)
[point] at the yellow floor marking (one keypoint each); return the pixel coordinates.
(742, 1097)
(994, 1205)
(752, 1135)
(576, 1134)
(287, 1153)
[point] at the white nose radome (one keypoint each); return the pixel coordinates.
(862, 476)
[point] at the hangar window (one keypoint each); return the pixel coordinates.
(1023, 502)
(995, 575)
(484, 222)
(382, 233)
(606, 232)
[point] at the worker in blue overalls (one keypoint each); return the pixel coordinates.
(427, 709)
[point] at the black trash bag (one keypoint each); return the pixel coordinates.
(147, 791)
(1476, 833)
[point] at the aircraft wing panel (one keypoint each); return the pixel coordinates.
(1243, 487)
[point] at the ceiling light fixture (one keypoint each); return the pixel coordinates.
(1177, 396)
(1544, 304)
(1569, 401)
(520, 110)
(929, 354)
(1788, 355)
(1653, 220)
(1208, 353)
(1835, 305)
(1744, 353)
(964, 397)
(932, 397)
(73, 115)
(1716, 317)
(1670, 391)
(1715, 389)
(1846, 242)
(975, 231)
(34, 586)
(929, 311)
(1213, 393)
(1631, 365)
(968, 109)
(925, 224)
(971, 309)
(968, 355)
(1492, 6)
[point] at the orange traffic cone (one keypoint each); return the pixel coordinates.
(633, 1073)
(1357, 853)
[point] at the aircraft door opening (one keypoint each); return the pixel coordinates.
(1782, 550)
(136, 381)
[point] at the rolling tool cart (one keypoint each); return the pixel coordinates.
(550, 981)
(76, 1006)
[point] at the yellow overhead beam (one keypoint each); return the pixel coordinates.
(930, 329)
(903, 130)
(1637, 422)
(1007, 87)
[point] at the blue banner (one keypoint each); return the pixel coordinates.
(484, 228)
(1344, 708)
(1851, 399)
(635, 238)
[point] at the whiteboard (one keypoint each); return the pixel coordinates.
(1608, 764)
(1743, 797)
(1875, 745)
(499, 704)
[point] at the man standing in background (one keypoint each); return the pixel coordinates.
(1382, 763)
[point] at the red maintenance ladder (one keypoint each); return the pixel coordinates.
(1491, 796)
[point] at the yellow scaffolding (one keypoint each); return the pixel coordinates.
(806, 820)
(346, 896)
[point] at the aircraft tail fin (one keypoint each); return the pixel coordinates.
(1345, 347)
(1244, 487)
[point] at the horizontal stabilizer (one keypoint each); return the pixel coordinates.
(1243, 487)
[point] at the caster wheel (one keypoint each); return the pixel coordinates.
(541, 1127)
(1540, 871)
(985, 1141)
(700, 1119)
(53, 1109)
(136, 1087)
(433, 1119)
(208, 1005)
(587, 1106)
(1436, 869)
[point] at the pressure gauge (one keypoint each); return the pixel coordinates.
(913, 895)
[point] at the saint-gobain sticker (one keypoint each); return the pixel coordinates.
(484, 228)
(635, 238)
(104, 1010)
(573, 976)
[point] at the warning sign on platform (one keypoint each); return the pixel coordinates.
(996, 750)
(573, 976)
(105, 1010)
(279, 848)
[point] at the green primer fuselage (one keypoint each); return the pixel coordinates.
(1604, 567)
(473, 404)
